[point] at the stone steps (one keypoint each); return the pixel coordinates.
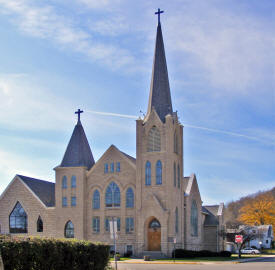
(154, 254)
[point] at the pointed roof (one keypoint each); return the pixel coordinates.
(78, 152)
(44, 190)
(160, 96)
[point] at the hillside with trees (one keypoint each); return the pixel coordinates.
(255, 209)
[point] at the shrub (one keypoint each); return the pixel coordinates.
(183, 253)
(55, 254)
(225, 254)
(128, 254)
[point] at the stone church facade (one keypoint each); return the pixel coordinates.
(155, 206)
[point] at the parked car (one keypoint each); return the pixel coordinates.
(250, 251)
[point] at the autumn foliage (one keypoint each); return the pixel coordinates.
(254, 209)
(258, 211)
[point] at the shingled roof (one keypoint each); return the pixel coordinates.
(78, 152)
(160, 96)
(44, 190)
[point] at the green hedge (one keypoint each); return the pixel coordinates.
(52, 254)
(184, 253)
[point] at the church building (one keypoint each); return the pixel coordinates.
(156, 207)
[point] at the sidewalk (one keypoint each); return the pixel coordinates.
(141, 261)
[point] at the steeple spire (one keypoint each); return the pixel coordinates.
(160, 97)
(78, 152)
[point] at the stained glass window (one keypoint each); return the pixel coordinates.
(39, 224)
(153, 143)
(64, 182)
(18, 219)
(96, 199)
(194, 219)
(69, 230)
(129, 198)
(158, 173)
(148, 173)
(73, 181)
(112, 195)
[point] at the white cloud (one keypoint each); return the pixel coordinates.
(233, 51)
(45, 22)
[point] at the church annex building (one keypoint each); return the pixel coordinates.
(154, 204)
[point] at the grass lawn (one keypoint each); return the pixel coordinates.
(121, 259)
(199, 259)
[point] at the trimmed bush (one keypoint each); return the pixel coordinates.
(225, 253)
(55, 254)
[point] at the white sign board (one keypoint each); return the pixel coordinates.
(175, 240)
(113, 228)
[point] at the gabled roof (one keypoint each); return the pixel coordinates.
(210, 218)
(78, 152)
(160, 96)
(129, 157)
(44, 190)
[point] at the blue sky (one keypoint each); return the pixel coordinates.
(58, 56)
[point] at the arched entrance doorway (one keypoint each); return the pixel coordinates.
(154, 235)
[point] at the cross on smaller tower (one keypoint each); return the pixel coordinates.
(78, 112)
(159, 12)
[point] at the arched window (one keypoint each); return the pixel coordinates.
(153, 143)
(175, 175)
(176, 143)
(178, 176)
(18, 220)
(112, 195)
(64, 182)
(158, 173)
(96, 199)
(129, 198)
(69, 230)
(73, 181)
(176, 220)
(194, 219)
(148, 173)
(39, 224)
(154, 224)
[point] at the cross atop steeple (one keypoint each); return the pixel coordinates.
(158, 13)
(78, 112)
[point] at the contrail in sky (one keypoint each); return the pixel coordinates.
(187, 125)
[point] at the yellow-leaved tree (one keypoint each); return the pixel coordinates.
(259, 211)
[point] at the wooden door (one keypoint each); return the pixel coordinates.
(154, 239)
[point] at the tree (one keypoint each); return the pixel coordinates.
(246, 231)
(259, 211)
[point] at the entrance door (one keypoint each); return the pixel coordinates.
(154, 236)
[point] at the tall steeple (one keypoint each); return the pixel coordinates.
(160, 96)
(78, 152)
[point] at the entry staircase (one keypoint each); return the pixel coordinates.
(154, 254)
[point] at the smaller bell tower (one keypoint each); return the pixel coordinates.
(71, 184)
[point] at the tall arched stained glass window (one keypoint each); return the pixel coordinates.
(153, 141)
(64, 182)
(129, 198)
(176, 143)
(96, 199)
(112, 195)
(194, 219)
(158, 173)
(18, 219)
(73, 181)
(176, 220)
(175, 175)
(69, 230)
(148, 173)
(178, 176)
